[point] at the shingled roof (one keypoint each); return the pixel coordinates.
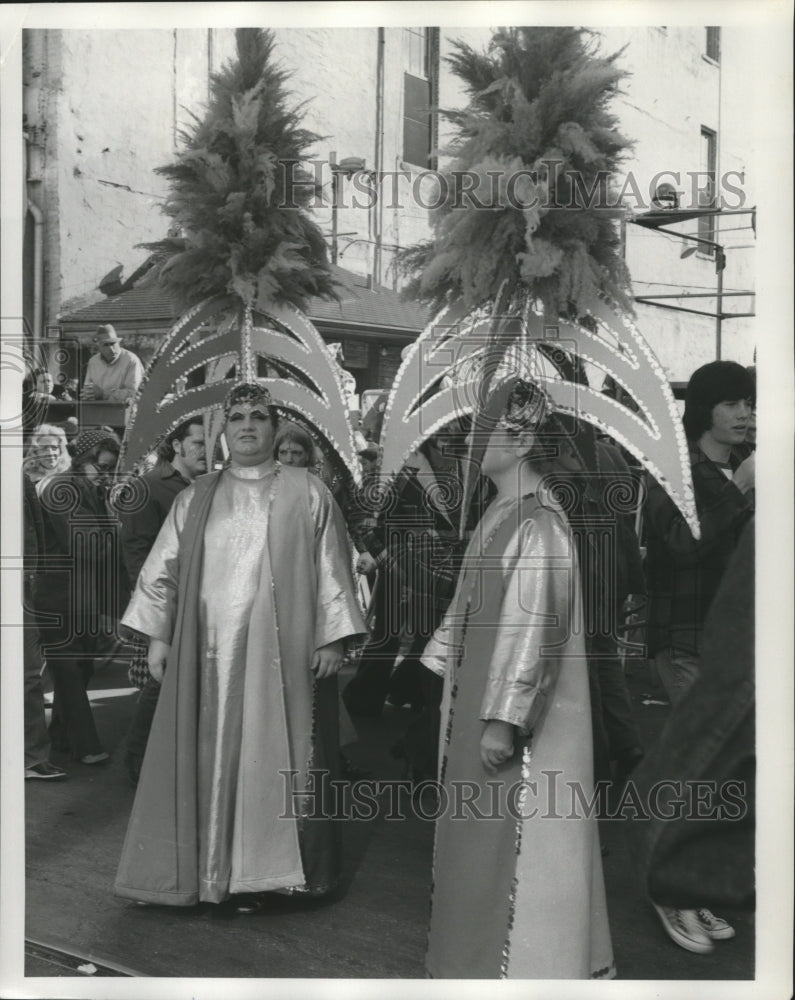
(377, 309)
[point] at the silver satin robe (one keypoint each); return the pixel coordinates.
(236, 580)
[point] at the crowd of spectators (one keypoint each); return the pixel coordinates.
(83, 554)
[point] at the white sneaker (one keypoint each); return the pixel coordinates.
(717, 928)
(684, 927)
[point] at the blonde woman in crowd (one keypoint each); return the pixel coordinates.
(47, 455)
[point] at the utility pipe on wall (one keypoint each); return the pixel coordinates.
(379, 155)
(38, 247)
(38, 268)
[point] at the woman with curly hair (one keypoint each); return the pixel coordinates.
(47, 455)
(83, 591)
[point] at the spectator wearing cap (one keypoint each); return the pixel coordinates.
(80, 587)
(114, 373)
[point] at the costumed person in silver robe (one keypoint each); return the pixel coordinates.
(520, 896)
(247, 598)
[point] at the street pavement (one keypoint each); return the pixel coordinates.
(373, 928)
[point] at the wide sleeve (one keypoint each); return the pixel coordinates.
(541, 589)
(153, 607)
(338, 615)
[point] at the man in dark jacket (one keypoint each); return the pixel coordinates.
(182, 459)
(414, 545)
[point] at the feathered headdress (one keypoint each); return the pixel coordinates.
(527, 194)
(534, 287)
(248, 259)
(238, 192)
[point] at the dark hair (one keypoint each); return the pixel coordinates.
(110, 443)
(717, 382)
(165, 450)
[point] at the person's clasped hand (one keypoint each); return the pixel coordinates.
(157, 658)
(365, 564)
(745, 474)
(496, 744)
(328, 659)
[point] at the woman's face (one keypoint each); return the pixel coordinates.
(103, 465)
(293, 453)
(47, 451)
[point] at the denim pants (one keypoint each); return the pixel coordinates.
(69, 653)
(37, 741)
(677, 671)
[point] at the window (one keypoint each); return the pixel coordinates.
(713, 44)
(420, 94)
(415, 41)
(707, 187)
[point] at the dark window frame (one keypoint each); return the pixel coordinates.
(706, 223)
(420, 99)
(712, 44)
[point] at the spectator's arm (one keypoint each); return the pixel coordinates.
(57, 508)
(722, 510)
(89, 389)
(138, 533)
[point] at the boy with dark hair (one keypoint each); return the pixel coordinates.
(684, 573)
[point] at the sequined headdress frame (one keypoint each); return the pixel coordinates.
(247, 392)
(469, 365)
(226, 340)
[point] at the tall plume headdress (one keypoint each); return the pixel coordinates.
(248, 259)
(535, 289)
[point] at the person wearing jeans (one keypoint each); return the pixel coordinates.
(684, 573)
(37, 740)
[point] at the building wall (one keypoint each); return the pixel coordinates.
(108, 106)
(106, 120)
(673, 91)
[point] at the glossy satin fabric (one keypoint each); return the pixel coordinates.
(274, 584)
(518, 896)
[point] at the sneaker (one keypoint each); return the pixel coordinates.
(684, 927)
(45, 771)
(717, 928)
(94, 758)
